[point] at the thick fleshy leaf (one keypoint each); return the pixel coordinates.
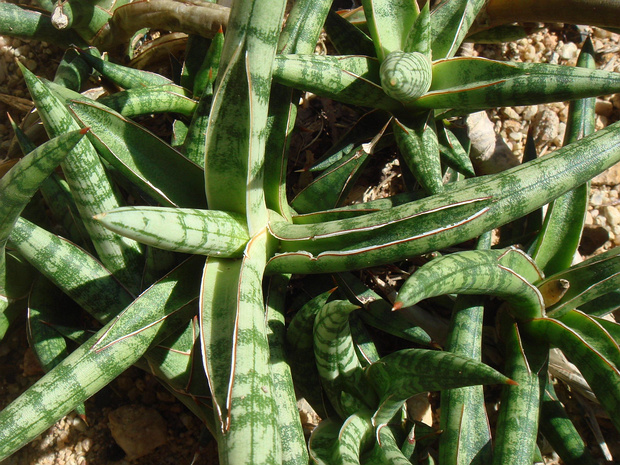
(517, 424)
(472, 84)
(21, 182)
(138, 101)
(346, 38)
(236, 356)
(594, 333)
(472, 206)
(141, 157)
(90, 185)
(453, 152)
(348, 79)
(561, 231)
(151, 317)
(386, 450)
(559, 430)
(389, 23)
(450, 22)
(354, 435)
(124, 76)
(488, 272)
(378, 312)
(420, 149)
(400, 375)
(588, 280)
(334, 351)
(323, 442)
(77, 273)
(294, 448)
(602, 376)
(205, 232)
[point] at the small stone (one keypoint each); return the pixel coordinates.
(568, 51)
(545, 126)
(604, 107)
(612, 214)
(596, 199)
(510, 113)
(611, 177)
(137, 430)
(529, 112)
(589, 220)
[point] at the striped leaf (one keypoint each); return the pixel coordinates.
(144, 159)
(77, 273)
(602, 376)
(400, 375)
(389, 23)
(354, 436)
(561, 231)
(294, 449)
(472, 207)
(336, 360)
(588, 280)
(102, 358)
(489, 272)
(346, 38)
(517, 424)
(90, 186)
(450, 22)
(419, 148)
(206, 232)
(323, 442)
(378, 312)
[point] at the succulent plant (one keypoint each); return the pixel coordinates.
(183, 251)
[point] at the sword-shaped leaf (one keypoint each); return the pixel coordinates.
(236, 357)
(561, 231)
(354, 436)
(472, 206)
(348, 79)
(453, 152)
(90, 185)
(559, 430)
(402, 374)
(378, 312)
(386, 450)
(594, 333)
(206, 232)
(141, 157)
(389, 23)
(450, 22)
(124, 76)
(489, 84)
(330, 188)
(77, 273)
(336, 360)
(22, 181)
(488, 272)
(517, 424)
(346, 38)
(16, 277)
(602, 376)
(419, 36)
(420, 149)
(323, 442)
(588, 280)
(148, 320)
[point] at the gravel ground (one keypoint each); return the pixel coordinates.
(119, 408)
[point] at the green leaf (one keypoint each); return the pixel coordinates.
(141, 157)
(563, 225)
(602, 376)
(588, 280)
(206, 232)
(346, 38)
(489, 272)
(517, 424)
(450, 22)
(389, 23)
(348, 79)
(155, 314)
(465, 210)
(91, 188)
(400, 375)
(420, 149)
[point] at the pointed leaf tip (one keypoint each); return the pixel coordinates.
(511, 382)
(84, 130)
(397, 306)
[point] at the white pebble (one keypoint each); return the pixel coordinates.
(612, 214)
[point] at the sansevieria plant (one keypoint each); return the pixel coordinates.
(183, 250)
